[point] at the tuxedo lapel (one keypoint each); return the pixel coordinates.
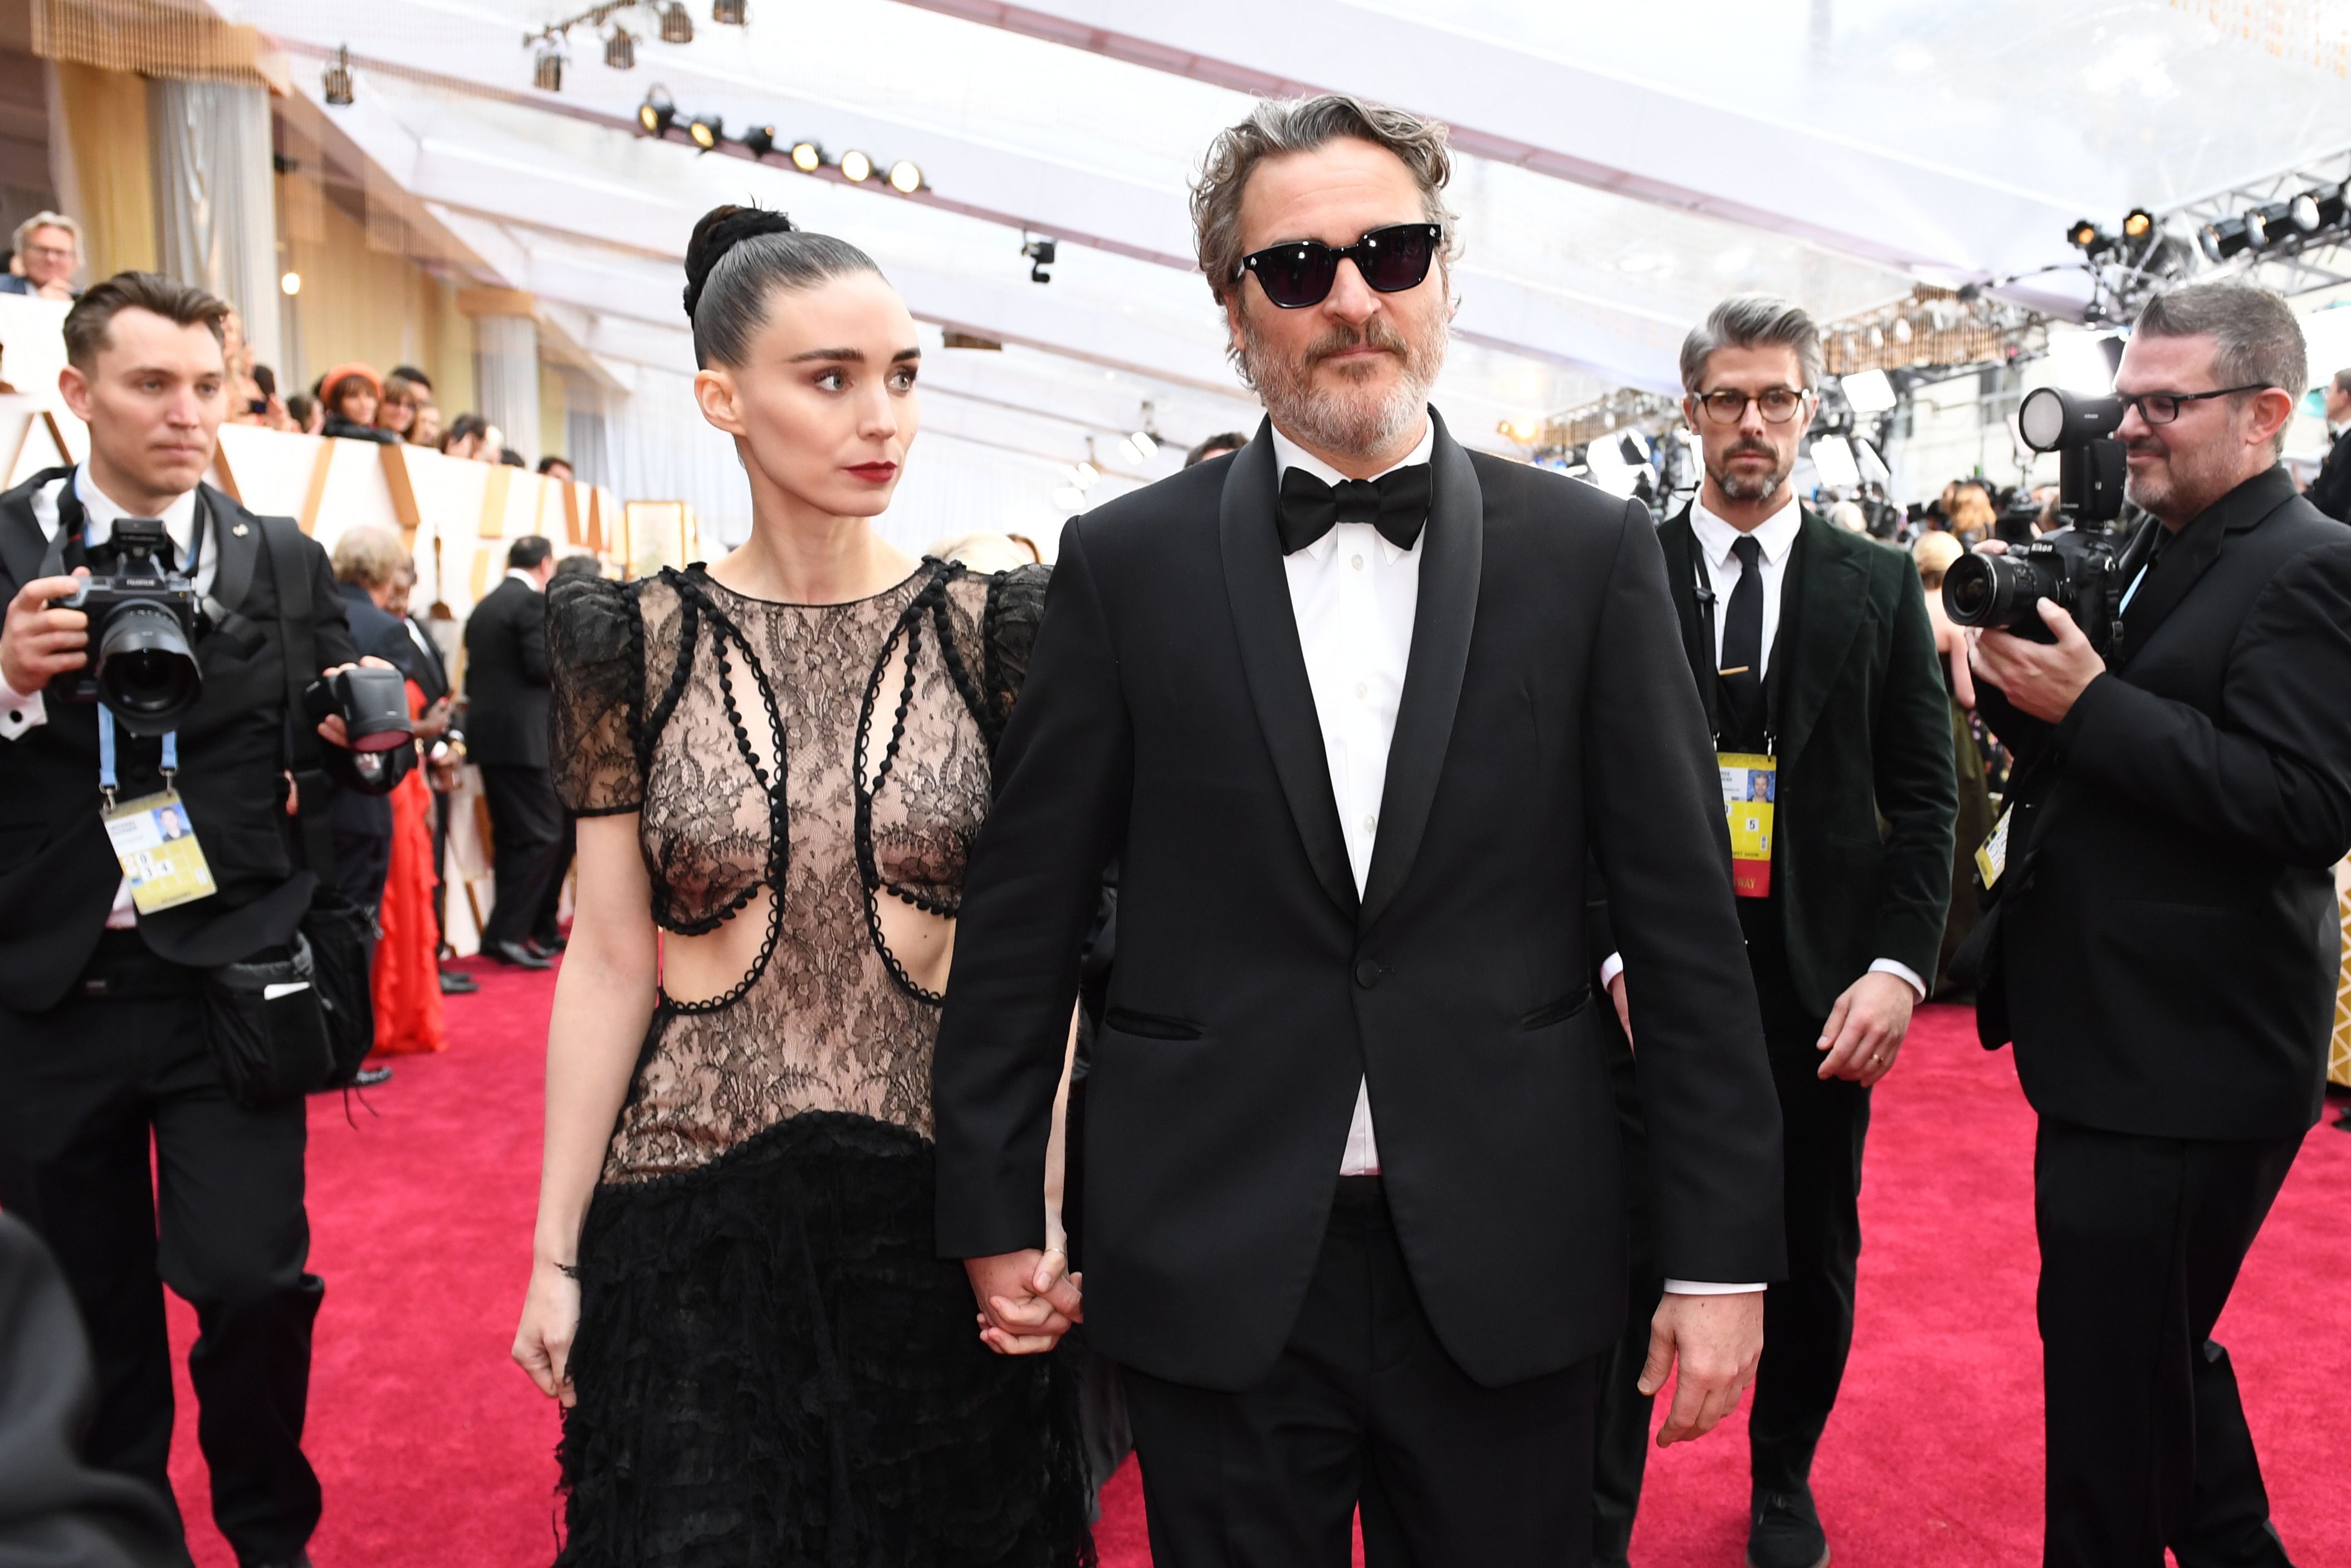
(237, 543)
(1819, 616)
(1453, 554)
(1266, 627)
(1680, 545)
(22, 544)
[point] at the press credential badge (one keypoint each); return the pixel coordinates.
(157, 846)
(1750, 782)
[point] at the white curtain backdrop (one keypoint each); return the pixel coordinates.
(215, 212)
(506, 370)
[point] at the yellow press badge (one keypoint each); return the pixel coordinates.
(1750, 781)
(157, 846)
(1991, 855)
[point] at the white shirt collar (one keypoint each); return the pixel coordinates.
(517, 574)
(102, 511)
(1288, 454)
(1775, 534)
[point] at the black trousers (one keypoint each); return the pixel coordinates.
(1366, 1408)
(543, 925)
(526, 830)
(2141, 1239)
(1808, 1317)
(83, 1087)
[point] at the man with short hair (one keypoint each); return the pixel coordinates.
(2330, 492)
(1815, 662)
(1352, 707)
(471, 436)
(507, 690)
(2160, 937)
(48, 249)
(555, 468)
(1215, 447)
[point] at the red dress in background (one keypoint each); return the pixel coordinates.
(407, 978)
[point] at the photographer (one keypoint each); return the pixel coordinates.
(2161, 937)
(111, 1009)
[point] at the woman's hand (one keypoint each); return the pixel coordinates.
(1051, 1298)
(550, 1316)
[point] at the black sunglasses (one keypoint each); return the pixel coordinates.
(1300, 272)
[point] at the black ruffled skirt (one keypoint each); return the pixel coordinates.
(774, 1369)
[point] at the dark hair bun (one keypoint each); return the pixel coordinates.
(723, 228)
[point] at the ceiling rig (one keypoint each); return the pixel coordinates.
(670, 21)
(659, 117)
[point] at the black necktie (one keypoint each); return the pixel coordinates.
(1742, 645)
(1397, 504)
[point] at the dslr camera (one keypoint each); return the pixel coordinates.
(145, 621)
(2079, 567)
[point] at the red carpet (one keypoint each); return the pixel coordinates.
(434, 1449)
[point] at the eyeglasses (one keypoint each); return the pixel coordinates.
(2163, 407)
(1300, 272)
(1727, 405)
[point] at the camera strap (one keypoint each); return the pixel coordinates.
(106, 781)
(299, 651)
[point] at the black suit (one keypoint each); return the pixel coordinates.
(2163, 949)
(102, 1046)
(425, 666)
(506, 694)
(2330, 492)
(1167, 721)
(1863, 737)
(363, 824)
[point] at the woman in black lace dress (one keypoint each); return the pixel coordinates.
(779, 764)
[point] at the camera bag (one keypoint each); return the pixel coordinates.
(280, 1028)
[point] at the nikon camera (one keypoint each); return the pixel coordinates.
(2079, 565)
(145, 621)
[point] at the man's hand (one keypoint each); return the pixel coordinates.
(2040, 678)
(1864, 1034)
(1717, 1340)
(331, 728)
(1624, 1007)
(1028, 1299)
(37, 641)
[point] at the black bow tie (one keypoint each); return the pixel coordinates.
(1397, 504)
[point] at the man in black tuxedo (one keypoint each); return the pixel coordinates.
(2330, 492)
(441, 741)
(1352, 707)
(102, 1035)
(1811, 649)
(2161, 942)
(506, 692)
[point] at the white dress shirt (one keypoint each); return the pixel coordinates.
(1776, 537)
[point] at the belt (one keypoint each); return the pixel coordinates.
(124, 971)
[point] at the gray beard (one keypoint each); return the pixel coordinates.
(1333, 422)
(1758, 489)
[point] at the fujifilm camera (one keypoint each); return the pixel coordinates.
(2078, 568)
(145, 621)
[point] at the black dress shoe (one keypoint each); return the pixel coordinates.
(369, 1077)
(1786, 1533)
(547, 947)
(458, 983)
(516, 953)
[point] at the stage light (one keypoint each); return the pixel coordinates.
(1832, 461)
(2138, 224)
(1141, 446)
(1902, 328)
(657, 113)
(2089, 238)
(1868, 392)
(705, 130)
(547, 70)
(856, 167)
(290, 285)
(2265, 225)
(727, 13)
(904, 178)
(621, 50)
(676, 25)
(759, 141)
(1041, 254)
(335, 79)
(2330, 204)
(807, 157)
(2303, 213)
(2224, 239)
(1085, 476)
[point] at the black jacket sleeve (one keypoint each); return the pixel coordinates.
(1062, 775)
(531, 643)
(331, 624)
(1916, 787)
(2331, 491)
(2277, 779)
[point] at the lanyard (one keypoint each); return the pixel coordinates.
(106, 781)
(1710, 655)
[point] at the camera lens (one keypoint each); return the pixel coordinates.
(1971, 589)
(146, 673)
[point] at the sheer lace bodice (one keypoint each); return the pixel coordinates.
(837, 754)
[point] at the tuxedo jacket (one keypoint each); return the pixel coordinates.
(507, 686)
(2166, 944)
(2330, 491)
(423, 665)
(1546, 715)
(1865, 793)
(57, 871)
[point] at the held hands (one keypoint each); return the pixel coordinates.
(1717, 1340)
(2042, 679)
(37, 643)
(1864, 1034)
(1028, 1299)
(550, 1317)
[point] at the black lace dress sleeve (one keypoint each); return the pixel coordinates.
(595, 650)
(1016, 602)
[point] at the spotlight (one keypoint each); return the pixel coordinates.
(705, 130)
(657, 113)
(1902, 328)
(621, 50)
(2138, 224)
(2266, 224)
(1085, 476)
(759, 141)
(856, 167)
(904, 178)
(546, 72)
(2332, 204)
(807, 157)
(2303, 211)
(1041, 254)
(727, 13)
(290, 285)
(337, 78)
(676, 25)
(2224, 239)
(2089, 238)
(1139, 447)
